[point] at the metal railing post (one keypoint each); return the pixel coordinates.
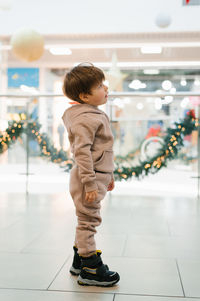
(198, 153)
(27, 147)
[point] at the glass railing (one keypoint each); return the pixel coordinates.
(155, 141)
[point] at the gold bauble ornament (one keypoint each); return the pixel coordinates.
(27, 45)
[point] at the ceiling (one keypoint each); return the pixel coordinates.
(179, 50)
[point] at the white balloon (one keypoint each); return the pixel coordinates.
(5, 4)
(163, 20)
(27, 45)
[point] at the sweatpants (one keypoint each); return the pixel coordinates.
(88, 213)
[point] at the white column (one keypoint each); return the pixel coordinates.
(42, 110)
(3, 89)
(3, 100)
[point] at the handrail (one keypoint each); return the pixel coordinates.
(112, 94)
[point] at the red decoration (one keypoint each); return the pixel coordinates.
(153, 131)
(13, 137)
(187, 1)
(191, 113)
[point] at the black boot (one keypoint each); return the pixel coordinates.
(76, 264)
(94, 272)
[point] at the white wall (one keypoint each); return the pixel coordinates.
(92, 16)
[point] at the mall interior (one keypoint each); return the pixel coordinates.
(149, 52)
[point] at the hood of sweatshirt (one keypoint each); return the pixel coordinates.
(71, 114)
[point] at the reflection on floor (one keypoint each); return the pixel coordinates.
(152, 241)
(45, 177)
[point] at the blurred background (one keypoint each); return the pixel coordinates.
(150, 53)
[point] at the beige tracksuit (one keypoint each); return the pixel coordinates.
(91, 143)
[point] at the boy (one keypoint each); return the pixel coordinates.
(91, 142)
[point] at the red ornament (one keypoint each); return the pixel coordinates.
(13, 137)
(191, 113)
(187, 1)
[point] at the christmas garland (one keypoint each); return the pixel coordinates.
(173, 141)
(32, 130)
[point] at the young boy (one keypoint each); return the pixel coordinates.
(91, 177)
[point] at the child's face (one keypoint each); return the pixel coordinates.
(98, 96)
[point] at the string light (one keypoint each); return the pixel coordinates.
(156, 163)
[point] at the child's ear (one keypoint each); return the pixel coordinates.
(83, 97)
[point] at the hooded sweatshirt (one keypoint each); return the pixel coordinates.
(91, 142)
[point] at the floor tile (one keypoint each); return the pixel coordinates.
(138, 276)
(17, 236)
(57, 239)
(148, 246)
(190, 271)
(152, 226)
(17, 295)
(29, 271)
(186, 226)
(150, 298)
(141, 246)
(142, 237)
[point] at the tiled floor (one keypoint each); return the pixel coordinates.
(153, 242)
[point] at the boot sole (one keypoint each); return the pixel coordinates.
(88, 282)
(74, 272)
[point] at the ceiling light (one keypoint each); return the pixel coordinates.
(166, 84)
(151, 71)
(151, 49)
(60, 51)
(137, 84)
(183, 82)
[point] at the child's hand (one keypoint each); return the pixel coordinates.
(111, 185)
(91, 196)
